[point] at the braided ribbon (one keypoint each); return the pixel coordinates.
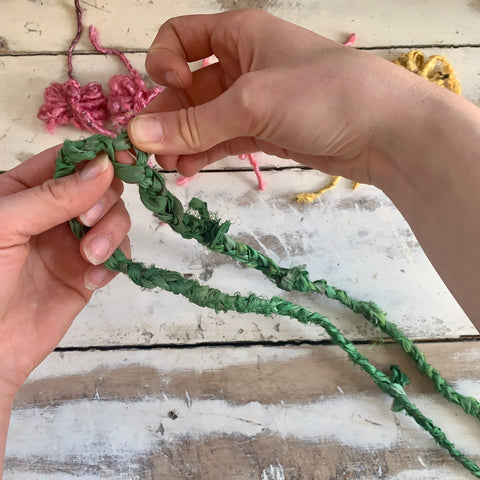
(203, 226)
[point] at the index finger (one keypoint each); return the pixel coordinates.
(38, 169)
(181, 40)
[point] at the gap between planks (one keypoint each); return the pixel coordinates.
(261, 343)
(52, 53)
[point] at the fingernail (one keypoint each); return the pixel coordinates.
(90, 217)
(95, 277)
(97, 249)
(172, 78)
(95, 167)
(147, 129)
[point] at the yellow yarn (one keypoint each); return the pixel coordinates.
(310, 197)
(436, 69)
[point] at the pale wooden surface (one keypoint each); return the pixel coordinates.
(245, 408)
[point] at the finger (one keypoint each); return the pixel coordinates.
(39, 169)
(111, 197)
(97, 276)
(236, 112)
(189, 165)
(168, 162)
(101, 241)
(125, 156)
(30, 173)
(208, 83)
(35, 210)
(178, 41)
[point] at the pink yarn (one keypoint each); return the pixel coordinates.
(254, 163)
(87, 108)
(69, 102)
(351, 40)
(184, 180)
(209, 60)
(128, 93)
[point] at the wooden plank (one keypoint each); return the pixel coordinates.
(24, 79)
(50, 25)
(257, 412)
(356, 240)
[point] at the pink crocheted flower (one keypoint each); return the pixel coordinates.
(128, 95)
(69, 102)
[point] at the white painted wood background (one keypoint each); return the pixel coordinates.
(245, 408)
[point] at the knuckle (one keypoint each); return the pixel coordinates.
(245, 16)
(257, 14)
(123, 222)
(153, 59)
(126, 218)
(248, 101)
(117, 187)
(56, 191)
(189, 129)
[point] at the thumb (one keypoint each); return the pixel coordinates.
(36, 210)
(198, 128)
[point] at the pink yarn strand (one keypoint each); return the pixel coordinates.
(128, 93)
(79, 13)
(184, 180)
(69, 102)
(254, 163)
(351, 40)
(93, 35)
(208, 61)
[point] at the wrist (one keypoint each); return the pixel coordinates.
(430, 169)
(432, 147)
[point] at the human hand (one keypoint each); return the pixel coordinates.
(45, 277)
(277, 88)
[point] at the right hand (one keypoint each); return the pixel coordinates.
(277, 88)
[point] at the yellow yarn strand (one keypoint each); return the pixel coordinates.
(310, 197)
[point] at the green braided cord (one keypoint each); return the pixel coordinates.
(211, 233)
(297, 278)
(205, 296)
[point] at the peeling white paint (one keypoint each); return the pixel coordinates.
(274, 472)
(468, 387)
(420, 460)
(97, 428)
(441, 473)
(120, 430)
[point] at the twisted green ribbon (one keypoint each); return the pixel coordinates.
(201, 225)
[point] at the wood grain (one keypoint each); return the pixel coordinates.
(215, 413)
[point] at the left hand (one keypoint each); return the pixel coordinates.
(46, 276)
